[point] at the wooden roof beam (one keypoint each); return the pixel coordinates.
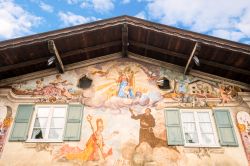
(64, 55)
(196, 73)
(92, 48)
(23, 64)
(184, 56)
(125, 40)
(190, 59)
(51, 71)
(157, 49)
(53, 50)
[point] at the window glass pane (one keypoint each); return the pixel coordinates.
(57, 123)
(43, 111)
(59, 112)
(208, 139)
(206, 128)
(191, 138)
(55, 133)
(49, 123)
(38, 133)
(190, 133)
(187, 117)
(203, 117)
(40, 122)
(198, 128)
(189, 127)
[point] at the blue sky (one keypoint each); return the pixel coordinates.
(228, 19)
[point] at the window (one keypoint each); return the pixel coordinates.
(198, 128)
(163, 83)
(48, 123)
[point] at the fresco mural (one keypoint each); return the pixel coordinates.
(124, 83)
(138, 137)
(130, 95)
(5, 122)
(55, 90)
(243, 123)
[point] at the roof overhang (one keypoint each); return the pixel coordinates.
(127, 36)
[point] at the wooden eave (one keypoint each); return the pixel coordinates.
(219, 57)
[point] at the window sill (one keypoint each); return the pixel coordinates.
(42, 146)
(217, 150)
(201, 146)
(43, 141)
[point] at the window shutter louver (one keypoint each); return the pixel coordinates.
(73, 125)
(225, 128)
(174, 129)
(21, 124)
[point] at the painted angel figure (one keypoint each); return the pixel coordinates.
(126, 83)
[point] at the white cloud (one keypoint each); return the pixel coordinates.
(15, 21)
(72, 1)
(46, 7)
(125, 1)
(100, 6)
(85, 5)
(145, 0)
(226, 19)
(141, 15)
(103, 5)
(244, 24)
(69, 18)
(227, 34)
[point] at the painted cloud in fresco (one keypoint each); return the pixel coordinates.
(122, 84)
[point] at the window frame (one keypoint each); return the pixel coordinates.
(197, 126)
(33, 118)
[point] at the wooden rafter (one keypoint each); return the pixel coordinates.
(207, 40)
(48, 72)
(53, 50)
(224, 67)
(23, 64)
(147, 40)
(125, 40)
(196, 73)
(184, 56)
(192, 36)
(190, 59)
(157, 49)
(67, 54)
(93, 48)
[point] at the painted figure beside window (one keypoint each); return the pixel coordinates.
(4, 126)
(243, 123)
(94, 150)
(146, 133)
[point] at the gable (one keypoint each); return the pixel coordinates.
(122, 35)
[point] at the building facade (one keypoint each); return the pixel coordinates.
(124, 109)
